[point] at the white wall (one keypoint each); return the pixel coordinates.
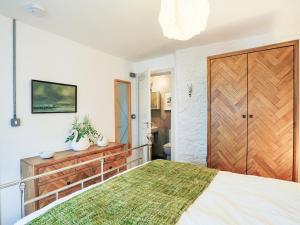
(190, 114)
(191, 67)
(160, 63)
(44, 56)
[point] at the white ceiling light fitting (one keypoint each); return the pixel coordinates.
(35, 9)
(183, 19)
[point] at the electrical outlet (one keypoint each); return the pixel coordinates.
(15, 122)
(132, 75)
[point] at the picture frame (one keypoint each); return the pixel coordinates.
(168, 102)
(51, 97)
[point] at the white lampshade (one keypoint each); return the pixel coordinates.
(183, 19)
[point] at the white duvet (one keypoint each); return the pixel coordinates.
(233, 199)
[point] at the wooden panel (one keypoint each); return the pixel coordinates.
(35, 165)
(87, 158)
(256, 49)
(30, 191)
(67, 155)
(228, 105)
(46, 201)
(115, 157)
(59, 183)
(273, 61)
(296, 109)
(55, 167)
(270, 149)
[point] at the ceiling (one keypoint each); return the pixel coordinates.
(129, 28)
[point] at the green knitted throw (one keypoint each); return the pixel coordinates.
(155, 194)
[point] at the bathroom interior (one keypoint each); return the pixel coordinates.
(161, 115)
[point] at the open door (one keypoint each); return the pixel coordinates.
(144, 108)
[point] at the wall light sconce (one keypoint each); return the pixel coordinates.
(190, 89)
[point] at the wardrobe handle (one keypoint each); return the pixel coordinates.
(244, 116)
(250, 116)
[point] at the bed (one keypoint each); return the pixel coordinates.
(164, 192)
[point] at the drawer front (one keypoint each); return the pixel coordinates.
(83, 174)
(62, 179)
(92, 181)
(69, 191)
(55, 167)
(46, 201)
(110, 162)
(114, 164)
(59, 183)
(115, 157)
(56, 184)
(87, 158)
(107, 166)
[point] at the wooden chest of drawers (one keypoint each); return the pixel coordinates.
(35, 165)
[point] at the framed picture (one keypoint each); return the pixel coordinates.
(168, 101)
(49, 97)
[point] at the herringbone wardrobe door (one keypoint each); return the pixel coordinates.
(228, 122)
(270, 101)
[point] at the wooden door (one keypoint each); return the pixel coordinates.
(270, 102)
(228, 110)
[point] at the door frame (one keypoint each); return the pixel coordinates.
(295, 45)
(171, 70)
(116, 81)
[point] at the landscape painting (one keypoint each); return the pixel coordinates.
(49, 97)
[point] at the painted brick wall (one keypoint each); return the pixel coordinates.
(191, 112)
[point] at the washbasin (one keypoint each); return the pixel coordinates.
(154, 130)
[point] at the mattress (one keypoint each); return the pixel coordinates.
(232, 199)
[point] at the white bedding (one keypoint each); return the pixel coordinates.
(233, 199)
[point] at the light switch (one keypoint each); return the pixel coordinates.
(15, 122)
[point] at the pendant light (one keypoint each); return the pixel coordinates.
(183, 19)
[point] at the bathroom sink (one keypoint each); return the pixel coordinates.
(154, 130)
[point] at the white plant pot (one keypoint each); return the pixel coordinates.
(102, 141)
(82, 144)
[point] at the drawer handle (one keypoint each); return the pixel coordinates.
(69, 182)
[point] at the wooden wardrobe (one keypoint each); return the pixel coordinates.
(253, 111)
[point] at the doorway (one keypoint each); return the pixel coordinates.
(123, 128)
(155, 106)
(161, 101)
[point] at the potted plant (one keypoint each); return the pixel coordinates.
(82, 134)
